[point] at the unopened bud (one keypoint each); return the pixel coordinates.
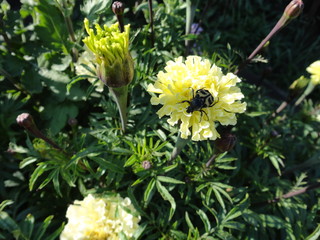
(118, 8)
(294, 8)
(26, 120)
(226, 142)
(73, 122)
(274, 133)
(146, 165)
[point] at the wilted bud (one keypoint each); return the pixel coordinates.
(226, 142)
(118, 8)
(294, 9)
(146, 165)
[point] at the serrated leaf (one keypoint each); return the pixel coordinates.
(31, 80)
(58, 114)
(92, 8)
(51, 28)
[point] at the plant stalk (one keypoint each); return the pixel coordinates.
(121, 97)
(180, 144)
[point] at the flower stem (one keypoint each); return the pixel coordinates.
(121, 97)
(118, 9)
(293, 10)
(180, 144)
(308, 90)
(151, 22)
(190, 13)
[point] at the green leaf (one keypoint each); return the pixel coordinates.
(166, 196)
(55, 180)
(7, 223)
(204, 219)
(109, 165)
(56, 81)
(190, 225)
(51, 29)
(5, 203)
(315, 235)
(36, 174)
(31, 80)
(169, 180)
(147, 196)
(27, 161)
(170, 167)
(56, 233)
(92, 8)
(219, 198)
(272, 221)
(59, 114)
(275, 160)
(38, 235)
(27, 225)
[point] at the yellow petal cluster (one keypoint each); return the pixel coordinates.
(314, 70)
(180, 81)
(100, 219)
(110, 47)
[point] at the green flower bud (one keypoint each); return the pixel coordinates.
(114, 64)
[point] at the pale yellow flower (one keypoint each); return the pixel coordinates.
(179, 83)
(110, 47)
(100, 219)
(87, 58)
(314, 70)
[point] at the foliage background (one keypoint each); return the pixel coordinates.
(237, 198)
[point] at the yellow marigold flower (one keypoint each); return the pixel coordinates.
(112, 57)
(86, 58)
(100, 219)
(314, 70)
(177, 87)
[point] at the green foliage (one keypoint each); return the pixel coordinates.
(266, 187)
